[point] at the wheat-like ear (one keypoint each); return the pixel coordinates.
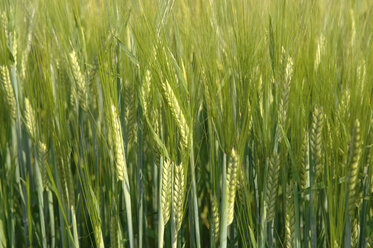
(304, 165)
(120, 160)
(354, 168)
(344, 104)
(232, 184)
(177, 113)
(81, 85)
(4, 25)
(178, 195)
(130, 116)
(145, 92)
(317, 123)
(5, 78)
(289, 217)
(42, 159)
(272, 186)
(114, 226)
(30, 119)
(319, 51)
(166, 190)
(215, 217)
(354, 232)
(285, 92)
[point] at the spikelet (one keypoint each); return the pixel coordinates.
(304, 165)
(15, 48)
(354, 168)
(285, 91)
(42, 160)
(354, 233)
(130, 116)
(166, 190)
(114, 224)
(317, 123)
(30, 119)
(121, 166)
(81, 90)
(177, 113)
(289, 218)
(319, 51)
(145, 92)
(4, 25)
(353, 27)
(272, 186)
(5, 78)
(232, 184)
(215, 218)
(177, 197)
(344, 104)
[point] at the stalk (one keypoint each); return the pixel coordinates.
(224, 206)
(51, 217)
(194, 194)
(160, 215)
(140, 176)
(39, 188)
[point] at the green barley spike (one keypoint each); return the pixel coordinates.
(272, 186)
(232, 184)
(317, 123)
(354, 168)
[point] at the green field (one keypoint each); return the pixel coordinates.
(186, 123)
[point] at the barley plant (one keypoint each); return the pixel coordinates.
(186, 123)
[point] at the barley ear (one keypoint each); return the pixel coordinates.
(5, 78)
(81, 85)
(304, 163)
(317, 123)
(166, 190)
(272, 186)
(118, 144)
(177, 113)
(289, 217)
(30, 119)
(178, 195)
(354, 168)
(232, 184)
(215, 217)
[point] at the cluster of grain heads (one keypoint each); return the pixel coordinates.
(272, 186)
(9, 92)
(316, 145)
(232, 184)
(80, 83)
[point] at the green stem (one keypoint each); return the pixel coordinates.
(224, 205)
(160, 216)
(51, 217)
(127, 199)
(194, 194)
